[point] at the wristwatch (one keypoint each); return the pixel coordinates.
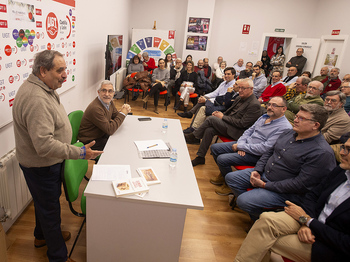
(303, 219)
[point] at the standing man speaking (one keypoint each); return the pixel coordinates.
(42, 135)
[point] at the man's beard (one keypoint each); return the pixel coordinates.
(309, 95)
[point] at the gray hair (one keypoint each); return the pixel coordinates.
(319, 113)
(249, 81)
(342, 96)
(320, 85)
(144, 54)
(305, 80)
(337, 68)
(104, 83)
(44, 59)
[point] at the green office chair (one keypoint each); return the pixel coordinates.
(75, 120)
(73, 172)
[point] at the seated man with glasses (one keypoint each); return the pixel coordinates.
(297, 163)
(317, 230)
(101, 119)
(277, 88)
(312, 96)
(255, 141)
(243, 113)
(338, 120)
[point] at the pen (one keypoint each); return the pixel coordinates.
(152, 146)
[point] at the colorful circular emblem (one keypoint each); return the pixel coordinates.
(19, 42)
(25, 41)
(51, 25)
(8, 50)
(15, 34)
(73, 78)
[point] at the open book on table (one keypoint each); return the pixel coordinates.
(130, 186)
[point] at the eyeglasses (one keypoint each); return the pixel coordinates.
(328, 100)
(302, 119)
(344, 87)
(243, 88)
(345, 149)
(274, 105)
(312, 87)
(109, 91)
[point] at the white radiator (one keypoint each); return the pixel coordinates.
(14, 193)
(118, 77)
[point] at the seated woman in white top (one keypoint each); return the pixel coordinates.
(220, 71)
(168, 61)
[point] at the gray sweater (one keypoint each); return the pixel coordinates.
(42, 129)
(134, 68)
(161, 75)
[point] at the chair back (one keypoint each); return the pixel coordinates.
(75, 120)
(73, 173)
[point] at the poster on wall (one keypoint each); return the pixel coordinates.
(198, 25)
(274, 43)
(157, 43)
(28, 27)
(195, 42)
(331, 59)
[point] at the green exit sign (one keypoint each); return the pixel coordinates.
(279, 30)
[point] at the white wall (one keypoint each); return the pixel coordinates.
(94, 23)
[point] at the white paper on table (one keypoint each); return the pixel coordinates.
(146, 145)
(111, 172)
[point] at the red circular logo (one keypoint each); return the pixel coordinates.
(31, 48)
(74, 61)
(11, 79)
(18, 63)
(8, 50)
(51, 25)
(73, 43)
(48, 46)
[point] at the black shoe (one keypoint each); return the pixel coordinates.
(176, 107)
(191, 139)
(185, 114)
(188, 130)
(198, 161)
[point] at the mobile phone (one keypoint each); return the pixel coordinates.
(144, 119)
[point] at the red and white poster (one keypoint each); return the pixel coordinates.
(26, 28)
(274, 43)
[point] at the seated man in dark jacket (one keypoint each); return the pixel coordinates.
(318, 230)
(244, 111)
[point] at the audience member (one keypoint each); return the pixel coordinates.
(199, 66)
(346, 78)
(259, 63)
(160, 80)
(175, 72)
(317, 230)
(168, 61)
(209, 99)
(239, 66)
(259, 81)
(101, 118)
(188, 81)
(306, 74)
(247, 72)
(219, 73)
(148, 62)
(312, 96)
(217, 64)
(275, 89)
(331, 82)
(291, 77)
(206, 68)
(265, 59)
(298, 61)
(43, 137)
(323, 74)
(188, 58)
(338, 120)
(299, 87)
(134, 66)
(254, 142)
(277, 60)
(345, 88)
(298, 162)
(244, 111)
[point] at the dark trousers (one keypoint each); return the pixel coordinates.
(44, 184)
(211, 127)
(154, 91)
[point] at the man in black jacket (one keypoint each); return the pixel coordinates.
(319, 230)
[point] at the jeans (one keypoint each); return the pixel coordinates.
(257, 200)
(225, 157)
(44, 184)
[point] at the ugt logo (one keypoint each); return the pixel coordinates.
(51, 25)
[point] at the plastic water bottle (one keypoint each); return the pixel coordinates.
(173, 158)
(165, 126)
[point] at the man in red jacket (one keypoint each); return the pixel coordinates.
(275, 89)
(331, 82)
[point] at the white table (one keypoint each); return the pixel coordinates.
(141, 229)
